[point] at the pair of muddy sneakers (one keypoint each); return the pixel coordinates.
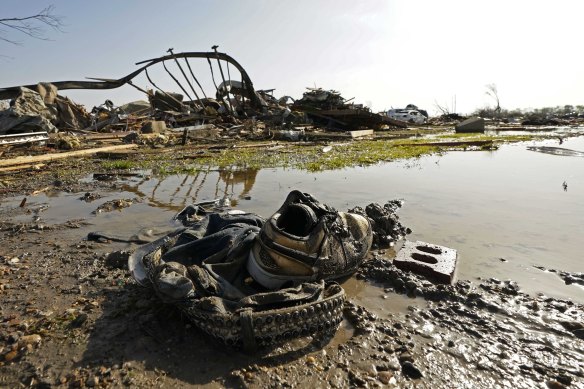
(308, 241)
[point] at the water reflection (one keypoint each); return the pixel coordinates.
(233, 178)
(176, 191)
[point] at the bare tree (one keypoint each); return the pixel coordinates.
(492, 91)
(442, 108)
(31, 25)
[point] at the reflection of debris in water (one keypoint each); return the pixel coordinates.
(556, 151)
(246, 177)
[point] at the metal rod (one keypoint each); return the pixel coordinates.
(234, 97)
(137, 87)
(186, 78)
(195, 78)
(212, 74)
(213, 78)
(161, 91)
(177, 82)
(223, 78)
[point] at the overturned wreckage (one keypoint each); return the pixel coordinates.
(331, 109)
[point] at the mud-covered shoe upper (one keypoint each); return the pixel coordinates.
(306, 240)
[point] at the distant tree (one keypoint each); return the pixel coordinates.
(568, 109)
(443, 109)
(492, 91)
(31, 25)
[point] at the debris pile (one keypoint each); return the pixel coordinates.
(229, 109)
(331, 110)
(317, 98)
(41, 109)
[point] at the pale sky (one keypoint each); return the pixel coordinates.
(383, 53)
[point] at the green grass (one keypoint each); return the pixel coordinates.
(308, 157)
(118, 165)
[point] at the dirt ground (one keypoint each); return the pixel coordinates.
(72, 316)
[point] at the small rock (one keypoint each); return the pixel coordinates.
(368, 368)
(411, 371)
(79, 320)
(564, 379)
(406, 357)
(117, 259)
(555, 385)
(92, 381)
(385, 377)
(33, 339)
(10, 356)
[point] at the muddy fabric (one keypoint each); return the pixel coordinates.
(206, 265)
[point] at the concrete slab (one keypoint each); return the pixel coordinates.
(475, 124)
(427, 259)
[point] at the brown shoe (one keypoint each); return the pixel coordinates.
(306, 241)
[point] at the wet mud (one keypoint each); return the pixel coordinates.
(72, 317)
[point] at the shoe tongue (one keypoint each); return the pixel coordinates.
(297, 219)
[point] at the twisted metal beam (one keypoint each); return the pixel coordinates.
(104, 83)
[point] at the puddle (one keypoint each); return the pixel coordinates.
(504, 211)
(376, 300)
(56, 208)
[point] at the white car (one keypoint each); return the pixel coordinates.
(407, 115)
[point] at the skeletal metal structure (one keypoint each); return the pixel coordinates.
(247, 90)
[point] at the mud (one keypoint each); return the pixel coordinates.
(71, 315)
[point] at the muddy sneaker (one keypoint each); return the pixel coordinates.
(306, 241)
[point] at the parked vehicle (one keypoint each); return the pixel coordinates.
(407, 115)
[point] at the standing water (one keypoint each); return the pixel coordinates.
(505, 211)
